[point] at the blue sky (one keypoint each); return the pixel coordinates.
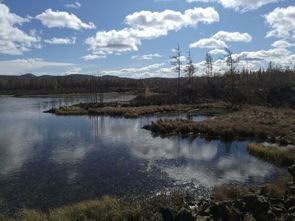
(135, 38)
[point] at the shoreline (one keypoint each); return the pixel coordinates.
(260, 123)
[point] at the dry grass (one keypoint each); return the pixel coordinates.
(279, 186)
(110, 209)
(259, 122)
(106, 209)
(127, 112)
(224, 192)
(276, 189)
(275, 155)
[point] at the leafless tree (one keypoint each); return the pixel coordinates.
(176, 62)
(209, 66)
(232, 64)
(190, 68)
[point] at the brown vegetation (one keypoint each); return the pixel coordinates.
(277, 125)
(275, 155)
(275, 189)
(127, 112)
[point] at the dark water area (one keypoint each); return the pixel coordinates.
(48, 161)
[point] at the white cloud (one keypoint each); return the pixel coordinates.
(14, 41)
(62, 19)
(232, 36)
(239, 5)
(133, 72)
(75, 5)
(146, 56)
(21, 66)
(282, 44)
(217, 51)
(218, 40)
(208, 43)
(171, 20)
(146, 25)
(92, 57)
(65, 41)
(73, 70)
(281, 21)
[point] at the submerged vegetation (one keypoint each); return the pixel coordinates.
(276, 155)
(277, 125)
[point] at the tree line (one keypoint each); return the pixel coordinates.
(272, 86)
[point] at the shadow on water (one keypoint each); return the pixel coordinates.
(48, 161)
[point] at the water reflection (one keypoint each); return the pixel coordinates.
(48, 161)
(17, 146)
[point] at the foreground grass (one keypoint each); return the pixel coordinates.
(109, 209)
(278, 156)
(276, 125)
(105, 209)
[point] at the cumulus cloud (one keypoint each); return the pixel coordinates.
(146, 56)
(218, 40)
(65, 41)
(133, 72)
(146, 25)
(73, 70)
(14, 41)
(217, 51)
(21, 66)
(239, 5)
(281, 22)
(282, 44)
(208, 43)
(171, 20)
(92, 57)
(232, 36)
(75, 5)
(62, 19)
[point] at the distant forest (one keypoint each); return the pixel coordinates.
(273, 87)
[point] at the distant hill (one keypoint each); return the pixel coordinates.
(110, 76)
(28, 75)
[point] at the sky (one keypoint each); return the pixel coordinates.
(136, 38)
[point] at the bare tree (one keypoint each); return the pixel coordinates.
(231, 63)
(189, 68)
(176, 62)
(209, 66)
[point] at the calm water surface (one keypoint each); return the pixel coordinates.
(48, 161)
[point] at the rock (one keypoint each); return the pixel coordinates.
(290, 217)
(167, 214)
(278, 211)
(184, 215)
(203, 218)
(291, 170)
(290, 190)
(290, 202)
(225, 211)
(291, 209)
(257, 206)
(248, 217)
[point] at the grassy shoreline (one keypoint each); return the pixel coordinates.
(275, 155)
(129, 110)
(270, 124)
(180, 204)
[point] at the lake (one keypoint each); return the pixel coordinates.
(48, 161)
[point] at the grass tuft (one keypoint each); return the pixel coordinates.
(275, 155)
